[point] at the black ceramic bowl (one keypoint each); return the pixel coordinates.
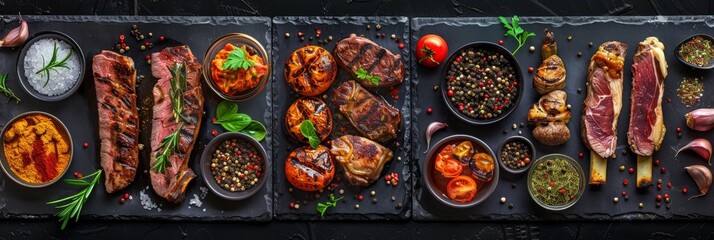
(484, 189)
(237, 39)
(518, 76)
(528, 143)
(208, 176)
(710, 65)
(21, 66)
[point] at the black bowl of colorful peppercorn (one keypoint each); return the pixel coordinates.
(482, 83)
(696, 51)
(515, 154)
(234, 166)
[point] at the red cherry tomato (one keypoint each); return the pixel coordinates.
(461, 189)
(431, 50)
(446, 164)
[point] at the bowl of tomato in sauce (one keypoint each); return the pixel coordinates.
(236, 67)
(460, 171)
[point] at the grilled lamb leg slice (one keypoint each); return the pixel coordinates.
(602, 106)
(358, 53)
(361, 158)
(115, 85)
(646, 131)
(171, 184)
(373, 117)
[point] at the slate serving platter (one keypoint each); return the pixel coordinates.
(283, 143)
(597, 202)
(79, 113)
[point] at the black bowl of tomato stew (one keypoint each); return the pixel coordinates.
(460, 171)
(482, 83)
(234, 166)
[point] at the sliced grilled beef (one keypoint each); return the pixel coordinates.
(355, 53)
(649, 69)
(171, 185)
(370, 115)
(361, 158)
(604, 99)
(115, 85)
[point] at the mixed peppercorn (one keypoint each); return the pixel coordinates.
(481, 83)
(236, 165)
(516, 154)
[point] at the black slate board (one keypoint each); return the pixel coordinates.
(79, 114)
(283, 96)
(597, 202)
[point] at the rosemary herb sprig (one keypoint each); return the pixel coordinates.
(178, 85)
(72, 205)
(6, 90)
(53, 64)
(167, 147)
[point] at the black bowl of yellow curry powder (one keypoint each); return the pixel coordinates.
(36, 149)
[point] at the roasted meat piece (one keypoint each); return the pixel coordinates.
(550, 116)
(359, 53)
(115, 85)
(602, 106)
(310, 70)
(309, 108)
(171, 185)
(550, 75)
(310, 169)
(646, 131)
(361, 158)
(369, 114)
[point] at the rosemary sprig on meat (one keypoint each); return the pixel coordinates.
(53, 64)
(168, 146)
(178, 86)
(6, 90)
(72, 205)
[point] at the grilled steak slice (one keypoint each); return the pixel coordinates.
(171, 185)
(361, 158)
(604, 100)
(355, 53)
(115, 85)
(649, 69)
(370, 115)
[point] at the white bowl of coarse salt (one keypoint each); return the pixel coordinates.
(51, 66)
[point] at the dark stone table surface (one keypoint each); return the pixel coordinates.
(97, 229)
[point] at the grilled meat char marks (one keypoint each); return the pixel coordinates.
(649, 69)
(171, 185)
(604, 99)
(115, 81)
(355, 53)
(361, 158)
(310, 169)
(369, 114)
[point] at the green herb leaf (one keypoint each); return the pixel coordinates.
(6, 90)
(322, 207)
(53, 63)
(307, 129)
(168, 146)
(178, 86)
(256, 130)
(362, 74)
(72, 205)
(237, 59)
(514, 30)
(229, 118)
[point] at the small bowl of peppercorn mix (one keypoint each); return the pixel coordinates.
(234, 166)
(482, 83)
(696, 51)
(515, 154)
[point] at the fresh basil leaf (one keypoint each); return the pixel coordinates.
(314, 142)
(256, 130)
(225, 108)
(307, 129)
(235, 122)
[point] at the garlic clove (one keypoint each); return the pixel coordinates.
(17, 36)
(701, 146)
(702, 177)
(701, 119)
(431, 129)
